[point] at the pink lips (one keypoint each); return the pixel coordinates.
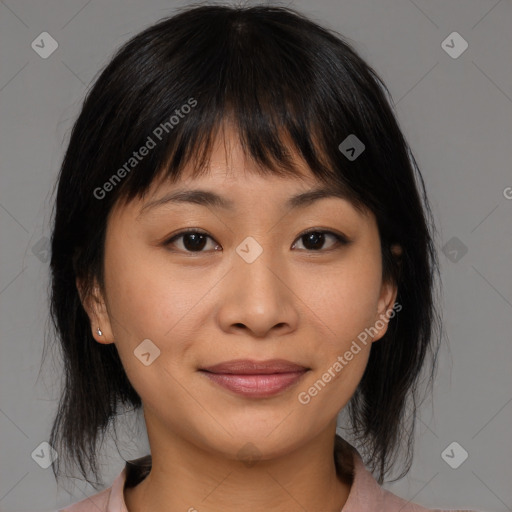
(257, 379)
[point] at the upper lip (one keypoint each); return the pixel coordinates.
(251, 367)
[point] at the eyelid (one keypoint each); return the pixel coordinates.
(341, 239)
(338, 234)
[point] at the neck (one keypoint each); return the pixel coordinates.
(187, 478)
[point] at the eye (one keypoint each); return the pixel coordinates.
(193, 240)
(314, 240)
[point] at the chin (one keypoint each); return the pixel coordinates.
(251, 444)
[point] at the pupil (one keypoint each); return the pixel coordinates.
(316, 238)
(198, 241)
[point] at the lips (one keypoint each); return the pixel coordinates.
(255, 379)
(251, 367)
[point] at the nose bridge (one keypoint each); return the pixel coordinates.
(256, 265)
(257, 296)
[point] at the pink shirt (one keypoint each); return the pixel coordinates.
(366, 495)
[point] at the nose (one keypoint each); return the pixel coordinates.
(258, 299)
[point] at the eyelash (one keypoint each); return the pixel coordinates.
(340, 240)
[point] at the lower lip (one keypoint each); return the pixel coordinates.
(256, 386)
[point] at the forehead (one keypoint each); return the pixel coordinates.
(231, 181)
(229, 162)
(229, 167)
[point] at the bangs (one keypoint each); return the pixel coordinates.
(283, 98)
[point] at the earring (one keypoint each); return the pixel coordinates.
(99, 332)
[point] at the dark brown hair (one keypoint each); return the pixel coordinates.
(273, 73)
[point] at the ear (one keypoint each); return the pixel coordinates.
(95, 307)
(385, 310)
(387, 298)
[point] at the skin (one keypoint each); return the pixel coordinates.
(294, 302)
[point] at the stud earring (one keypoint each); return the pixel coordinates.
(99, 332)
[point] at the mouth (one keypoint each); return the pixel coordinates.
(255, 379)
(252, 367)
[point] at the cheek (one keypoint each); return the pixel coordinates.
(148, 296)
(342, 313)
(343, 301)
(146, 302)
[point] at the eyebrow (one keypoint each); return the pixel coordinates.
(212, 199)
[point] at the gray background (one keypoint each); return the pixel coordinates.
(457, 116)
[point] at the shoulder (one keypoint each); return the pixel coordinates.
(112, 499)
(108, 500)
(384, 500)
(96, 503)
(366, 495)
(392, 502)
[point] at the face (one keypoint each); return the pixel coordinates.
(253, 286)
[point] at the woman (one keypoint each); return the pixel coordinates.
(242, 248)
